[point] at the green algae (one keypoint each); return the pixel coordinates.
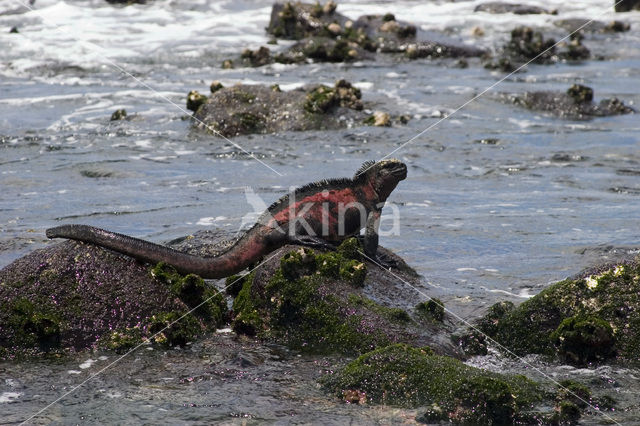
(394, 314)
(405, 376)
(320, 100)
(207, 302)
(121, 341)
(431, 310)
(173, 328)
(248, 122)
(324, 98)
(248, 318)
(582, 339)
(34, 325)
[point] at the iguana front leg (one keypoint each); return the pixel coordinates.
(370, 242)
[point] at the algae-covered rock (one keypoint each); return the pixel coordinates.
(119, 114)
(576, 103)
(315, 302)
(431, 310)
(590, 318)
(74, 296)
(405, 376)
(245, 109)
(296, 20)
(528, 45)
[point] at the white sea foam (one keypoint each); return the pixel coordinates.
(9, 396)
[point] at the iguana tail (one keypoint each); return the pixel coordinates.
(235, 259)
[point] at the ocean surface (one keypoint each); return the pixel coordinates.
(499, 202)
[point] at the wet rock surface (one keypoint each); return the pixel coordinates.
(518, 9)
(576, 103)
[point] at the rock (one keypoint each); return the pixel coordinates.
(330, 36)
(256, 58)
(576, 51)
(379, 119)
(215, 86)
(446, 389)
(591, 318)
(73, 296)
(587, 25)
(527, 44)
(518, 9)
(323, 49)
(294, 21)
(428, 49)
(627, 5)
(119, 114)
(245, 109)
(195, 100)
(322, 303)
(576, 103)
(385, 31)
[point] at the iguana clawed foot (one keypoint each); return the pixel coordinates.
(313, 242)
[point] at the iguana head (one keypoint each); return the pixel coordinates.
(383, 176)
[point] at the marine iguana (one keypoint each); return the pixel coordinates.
(319, 214)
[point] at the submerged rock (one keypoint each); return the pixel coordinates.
(74, 296)
(575, 103)
(518, 9)
(591, 318)
(245, 109)
(527, 45)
